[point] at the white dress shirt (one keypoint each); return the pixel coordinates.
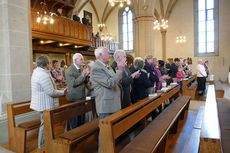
(201, 71)
(44, 93)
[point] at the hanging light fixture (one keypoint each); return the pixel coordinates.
(44, 16)
(107, 37)
(122, 2)
(160, 25)
(181, 39)
(101, 26)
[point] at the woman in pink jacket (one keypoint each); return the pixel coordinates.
(180, 76)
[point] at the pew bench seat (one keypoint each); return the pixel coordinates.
(219, 89)
(153, 138)
(80, 133)
(30, 125)
(224, 120)
(63, 141)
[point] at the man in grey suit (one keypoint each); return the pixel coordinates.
(75, 79)
(105, 83)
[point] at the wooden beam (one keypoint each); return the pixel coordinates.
(95, 10)
(162, 9)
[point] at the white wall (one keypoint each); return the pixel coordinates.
(181, 22)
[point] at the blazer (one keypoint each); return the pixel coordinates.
(141, 85)
(126, 84)
(105, 83)
(76, 18)
(85, 21)
(75, 83)
(44, 95)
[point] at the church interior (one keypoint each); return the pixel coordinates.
(173, 119)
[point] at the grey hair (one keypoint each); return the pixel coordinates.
(98, 51)
(89, 63)
(139, 63)
(43, 61)
(75, 56)
(118, 54)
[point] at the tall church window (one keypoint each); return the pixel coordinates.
(206, 28)
(127, 29)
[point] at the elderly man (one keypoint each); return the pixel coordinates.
(44, 92)
(105, 83)
(201, 77)
(76, 17)
(85, 20)
(75, 79)
(126, 81)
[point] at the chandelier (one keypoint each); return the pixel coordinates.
(107, 37)
(162, 25)
(101, 26)
(180, 39)
(122, 2)
(44, 16)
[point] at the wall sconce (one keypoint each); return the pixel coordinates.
(101, 26)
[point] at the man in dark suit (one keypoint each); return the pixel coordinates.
(75, 79)
(126, 81)
(85, 20)
(76, 17)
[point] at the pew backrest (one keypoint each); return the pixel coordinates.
(13, 110)
(116, 124)
(210, 130)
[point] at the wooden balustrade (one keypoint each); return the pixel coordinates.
(63, 29)
(111, 45)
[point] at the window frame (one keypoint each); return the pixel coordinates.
(216, 29)
(120, 14)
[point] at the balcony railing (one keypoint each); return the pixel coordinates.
(111, 45)
(63, 29)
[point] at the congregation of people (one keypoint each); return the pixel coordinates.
(114, 84)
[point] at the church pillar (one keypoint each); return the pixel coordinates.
(144, 37)
(163, 34)
(15, 54)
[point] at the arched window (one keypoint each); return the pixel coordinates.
(206, 27)
(126, 35)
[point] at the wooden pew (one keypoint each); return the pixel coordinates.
(18, 133)
(189, 87)
(116, 124)
(210, 130)
(61, 141)
(153, 138)
(219, 89)
(224, 119)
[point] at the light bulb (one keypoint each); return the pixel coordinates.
(60, 44)
(110, 1)
(44, 22)
(121, 4)
(38, 19)
(129, 2)
(42, 42)
(75, 46)
(112, 4)
(51, 21)
(45, 18)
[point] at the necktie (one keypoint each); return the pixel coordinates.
(79, 70)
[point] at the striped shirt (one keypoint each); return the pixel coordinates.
(44, 91)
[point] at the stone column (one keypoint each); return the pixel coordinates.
(15, 55)
(144, 37)
(163, 34)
